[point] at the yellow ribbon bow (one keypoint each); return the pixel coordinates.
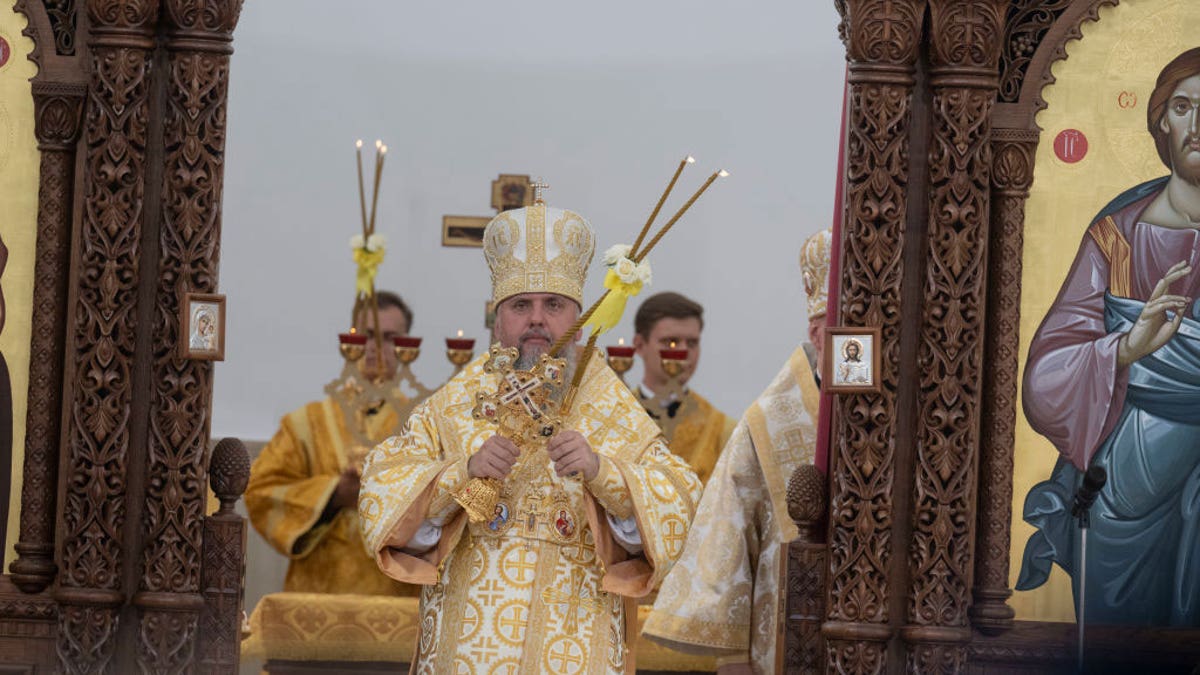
(608, 313)
(368, 265)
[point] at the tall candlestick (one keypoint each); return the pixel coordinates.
(362, 197)
(380, 151)
(678, 214)
(657, 207)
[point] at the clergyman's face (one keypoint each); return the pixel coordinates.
(392, 323)
(669, 333)
(1181, 122)
(532, 322)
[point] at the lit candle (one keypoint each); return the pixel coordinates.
(641, 254)
(407, 341)
(380, 151)
(362, 196)
(352, 338)
(619, 350)
(673, 354)
(658, 207)
(460, 342)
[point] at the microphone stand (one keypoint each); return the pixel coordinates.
(1084, 522)
(1093, 480)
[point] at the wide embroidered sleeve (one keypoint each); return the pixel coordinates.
(407, 484)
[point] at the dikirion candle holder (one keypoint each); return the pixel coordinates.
(620, 358)
(672, 404)
(460, 351)
(406, 348)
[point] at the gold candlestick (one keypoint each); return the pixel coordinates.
(620, 358)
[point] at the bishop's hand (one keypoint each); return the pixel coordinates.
(1153, 329)
(571, 453)
(495, 459)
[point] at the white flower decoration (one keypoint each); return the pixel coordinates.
(617, 258)
(372, 244)
(615, 253)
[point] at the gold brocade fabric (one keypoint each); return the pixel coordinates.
(542, 587)
(321, 627)
(723, 596)
(291, 482)
(700, 435)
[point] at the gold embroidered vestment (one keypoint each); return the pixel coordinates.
(723, 596)
(542, 586)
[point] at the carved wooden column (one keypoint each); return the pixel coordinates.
(58, 108)
(883, 39)
(1012, 174)
(198, 43)
(90, 590)
(965, 48)
(224, 562)
(805, 571)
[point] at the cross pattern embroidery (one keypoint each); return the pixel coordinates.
(607, 424)
(516, 565)
(574, 601)
(564, 653)
(674, 535)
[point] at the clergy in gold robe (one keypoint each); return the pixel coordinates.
(696, 431)
(584, 523)
(304, 484)
(723, 597)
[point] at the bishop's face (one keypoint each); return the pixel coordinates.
(532, 322)
(1181, 122)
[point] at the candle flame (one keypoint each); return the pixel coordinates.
(383, 150)
(722, 173)
(620, 342)
(358, 144)
(353, 330)
(378, 144)
(690, 159)
(672, 344)
(460, 333)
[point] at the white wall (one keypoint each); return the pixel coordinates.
(602, 100)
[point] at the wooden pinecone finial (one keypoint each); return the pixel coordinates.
(229, 471)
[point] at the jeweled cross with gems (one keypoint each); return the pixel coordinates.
(539, 185)
(521, 393)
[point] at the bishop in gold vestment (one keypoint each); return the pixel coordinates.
(723, 597)
(544, 585)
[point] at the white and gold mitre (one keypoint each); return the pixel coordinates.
(538, 249)
(814, 263)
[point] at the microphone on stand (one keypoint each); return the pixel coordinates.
(1093, 481)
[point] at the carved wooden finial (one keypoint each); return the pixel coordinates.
(806, 497)
(229, 472)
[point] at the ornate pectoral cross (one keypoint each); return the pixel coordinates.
(523, 407)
